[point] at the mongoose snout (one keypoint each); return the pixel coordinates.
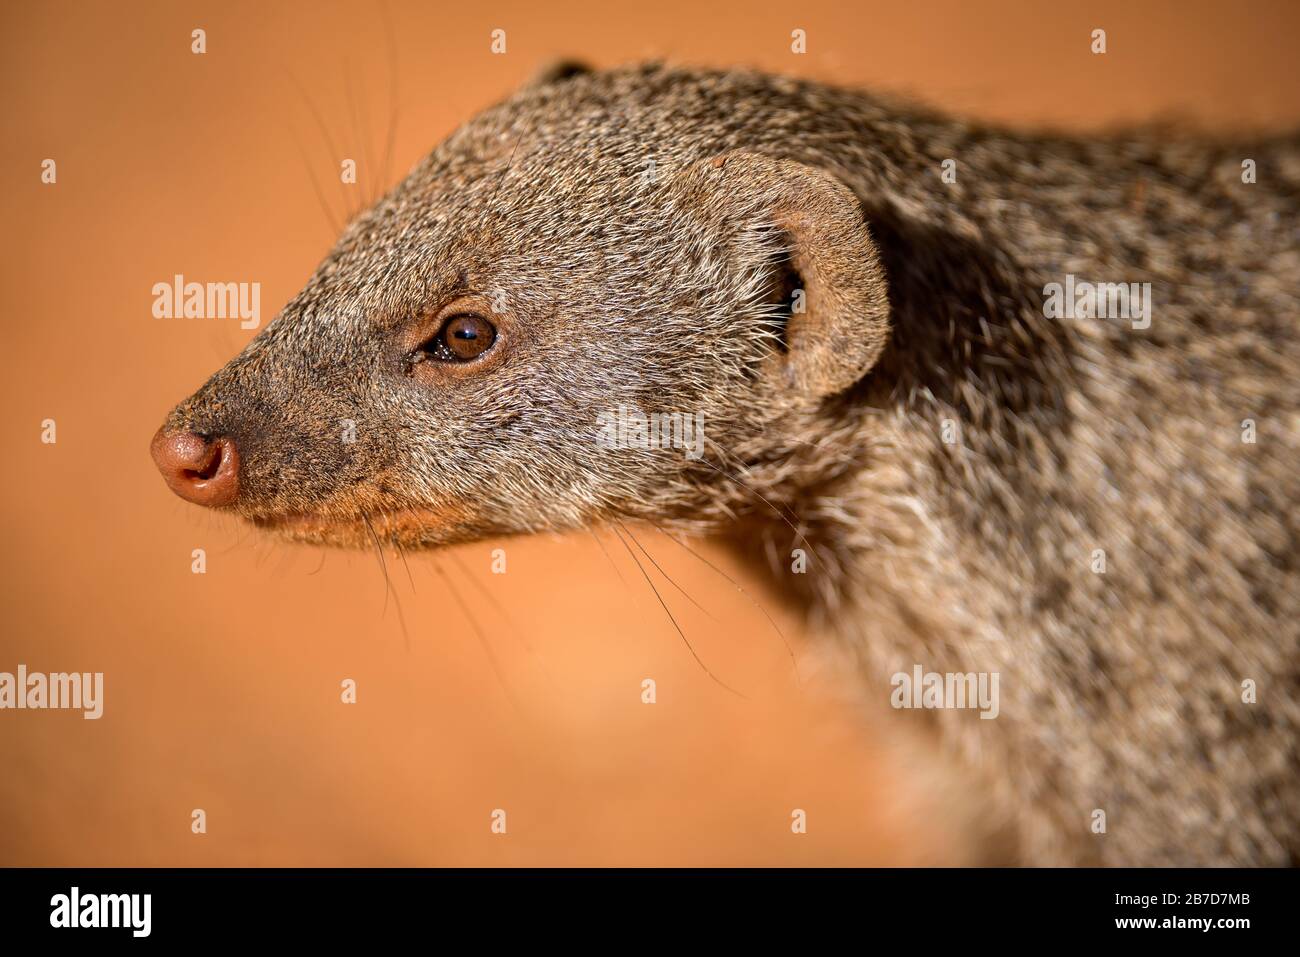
(199, 470)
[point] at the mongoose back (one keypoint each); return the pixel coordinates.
(860, 302)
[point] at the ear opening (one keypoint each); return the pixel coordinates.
(786, 292)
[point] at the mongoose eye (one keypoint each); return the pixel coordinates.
(462, 337)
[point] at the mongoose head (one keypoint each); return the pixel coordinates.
(476, 354)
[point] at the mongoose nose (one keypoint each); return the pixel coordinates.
(202, 471)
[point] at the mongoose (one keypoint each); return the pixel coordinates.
(1094, 502)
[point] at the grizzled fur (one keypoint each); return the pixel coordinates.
(665, 288)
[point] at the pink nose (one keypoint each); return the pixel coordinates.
(198, 470)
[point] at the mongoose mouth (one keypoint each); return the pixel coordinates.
(362, 529)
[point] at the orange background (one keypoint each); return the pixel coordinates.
(222, 689)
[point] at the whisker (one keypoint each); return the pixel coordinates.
(609, 559)
(323, 555)
(490, 599)
(628, 532)
(335, 153)
(357, 135)
(851, 458)
(388, 583)
(261, 550)
(383, 563)
(478, 631)
(669, 613)
(391, 36)
(315, 184)
(501, 179)
(401, 552)
(794, 661)
(287, 561)
(780, 514)
(243, 531)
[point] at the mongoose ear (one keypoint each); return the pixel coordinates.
(558, 70)
(838, 329)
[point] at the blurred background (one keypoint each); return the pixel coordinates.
(475, 691)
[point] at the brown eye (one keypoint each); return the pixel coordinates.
(461, 338)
